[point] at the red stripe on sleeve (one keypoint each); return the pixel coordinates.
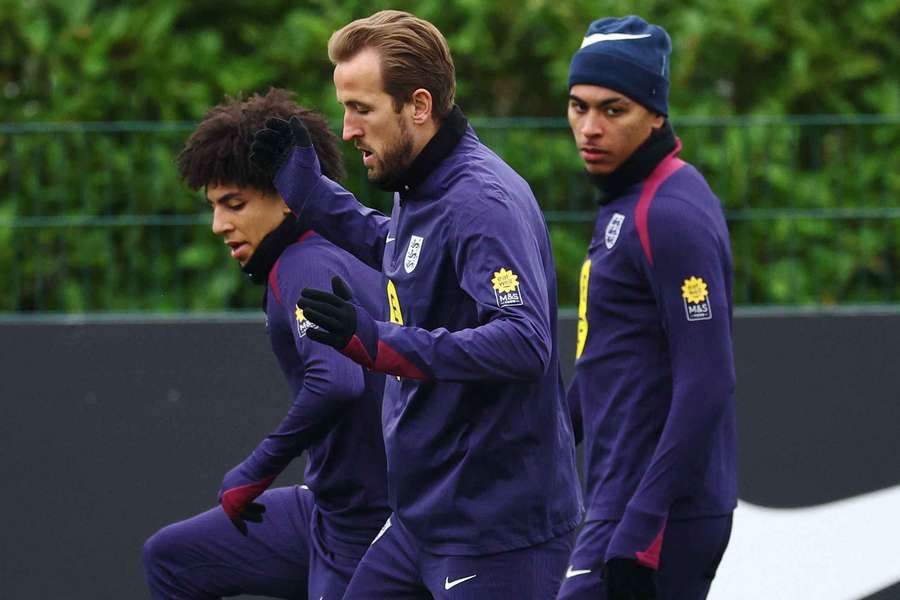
(273, 274)
(663, 171)
(273, 282)
(392, 362)
(650, 556)
(357, 351)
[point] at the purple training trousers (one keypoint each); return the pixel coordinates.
(691, 552)
(286, 556)
(397, 568)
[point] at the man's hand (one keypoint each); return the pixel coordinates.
(333, 314)
(272, 146)
(237, 494)
(627, 579)
(342, 324)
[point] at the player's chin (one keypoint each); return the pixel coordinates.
(599, 168)
(375, 175)
(243, 260)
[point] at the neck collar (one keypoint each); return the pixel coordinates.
(436, 150)
(271, 247)
(638, 166)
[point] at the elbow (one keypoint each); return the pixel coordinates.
(726, 393)
(346, 391)
(544, 353)
(717, 400)
(339, 389)
(542, 345)
(537, 356)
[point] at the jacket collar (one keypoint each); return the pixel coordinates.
(271, 247)
(636, 167)
(435, 151)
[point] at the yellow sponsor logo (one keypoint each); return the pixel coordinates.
(695, 293)
(303, 325)
(582, 308)
(505, 280)
(394, 303)
(506, 288)
(694, 290)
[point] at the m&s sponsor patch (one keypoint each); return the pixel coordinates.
(303, 324)
(695, 294)
(506, 288)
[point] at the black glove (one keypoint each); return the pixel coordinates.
(333, 314)
(273, 145)
(627, 579)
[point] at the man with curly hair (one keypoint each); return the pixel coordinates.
(297, 541)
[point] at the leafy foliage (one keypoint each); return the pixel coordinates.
(92, 218)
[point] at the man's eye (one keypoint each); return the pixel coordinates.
(613, 111)
(237, 206)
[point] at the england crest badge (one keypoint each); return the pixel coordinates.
(612, 229)
(412, 253)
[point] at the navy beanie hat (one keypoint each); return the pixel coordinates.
(628, 55)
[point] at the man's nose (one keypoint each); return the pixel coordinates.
(592, 125)
(351, 130)
(220, 223)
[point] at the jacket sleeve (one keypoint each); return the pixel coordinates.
(331, 381)
(689, 269)
(573, 401)
(329, 209)
(497, 257)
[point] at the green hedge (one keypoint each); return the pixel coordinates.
(92, 218)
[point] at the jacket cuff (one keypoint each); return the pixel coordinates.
(298, 178)
(392, 361)
(363, 346)
(638, 536)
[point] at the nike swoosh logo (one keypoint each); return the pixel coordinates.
(611, 37)
(384, 528)
(842, 550)
(452, 584)
(570, 572)
(389, 239)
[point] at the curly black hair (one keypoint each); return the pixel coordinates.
(218, 152)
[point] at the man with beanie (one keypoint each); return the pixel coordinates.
(654, 381)
(294, 541)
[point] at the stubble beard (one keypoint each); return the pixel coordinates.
(396, 157)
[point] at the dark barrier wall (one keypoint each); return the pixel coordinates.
(111, 430)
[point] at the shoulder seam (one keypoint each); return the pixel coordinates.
(669, 166)
(491, 189)
(273, 281)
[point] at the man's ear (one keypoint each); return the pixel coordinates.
(422, 104)
(659, 120)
